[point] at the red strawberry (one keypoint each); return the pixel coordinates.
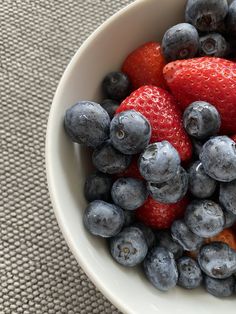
(144, 66)
(132, 170)
(160, 216)
(233, 137)
(209, 79)
(159, 107)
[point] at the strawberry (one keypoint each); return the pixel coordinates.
(159, 107)
(227, 236)
(144, 66)
(233, 137)
(208, 79)
(160, 216)
(132, 170)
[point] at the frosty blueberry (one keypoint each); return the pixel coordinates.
(130, 132)
(160, 268)
(159, 162)
(205, 218)
(180, 42)
(87, 123)
(103, 219)
(170, 191)
(129, 247)
(129, 193)
(201, 120)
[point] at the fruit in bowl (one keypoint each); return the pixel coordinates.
(150, 133)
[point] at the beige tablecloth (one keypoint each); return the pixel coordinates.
(38, 274)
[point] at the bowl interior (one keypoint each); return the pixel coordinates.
(68, 164)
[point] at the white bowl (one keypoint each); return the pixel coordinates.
(67, 164)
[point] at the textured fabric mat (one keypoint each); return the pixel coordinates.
(38, 274)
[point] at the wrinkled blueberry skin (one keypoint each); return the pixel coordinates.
(227, 196)
(103, 219)
(160, 268)
(129, 247)
(109, 160)
(159, 162)
(116, 85)
(218, 157)
(230, 219)
(129, 193)
(171, 191)
(87, 123)
(217, 260)
(98, 187)
(201, 120)
(206, 15)
(130, 132)
(110, 106)
(205, 218)
(200, 184)
(147, 232)
(231, 19)
(190, 274)
(180, 42)
(220, 288)
(185, 237)
(164, 239)
(213, 45)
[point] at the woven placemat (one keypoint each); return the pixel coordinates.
(38, 274)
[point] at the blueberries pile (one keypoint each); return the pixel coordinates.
(113, 201)
(209, 30)
(166, 255)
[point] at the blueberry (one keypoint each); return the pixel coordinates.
(147, 232)
(230, 219)
(200, 184)
(87, 123)
(160, 268)
(129, 217)
(206, 15)
(110, 106)
(109, 160)
(205, 218)
(116, 85)
(129, 193)
(218, 157)
(159, 162)
(129, 247)
(180, 42)
(171, 191)
(213, 45)
(201, 120)
(190, 274)
(185, 237)
(164, 239)
(217, 260)
(231, 19)
(197, 147)
(98, 187)
(130, 132)
(103, 219)
(228, 196)
(220, 287)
